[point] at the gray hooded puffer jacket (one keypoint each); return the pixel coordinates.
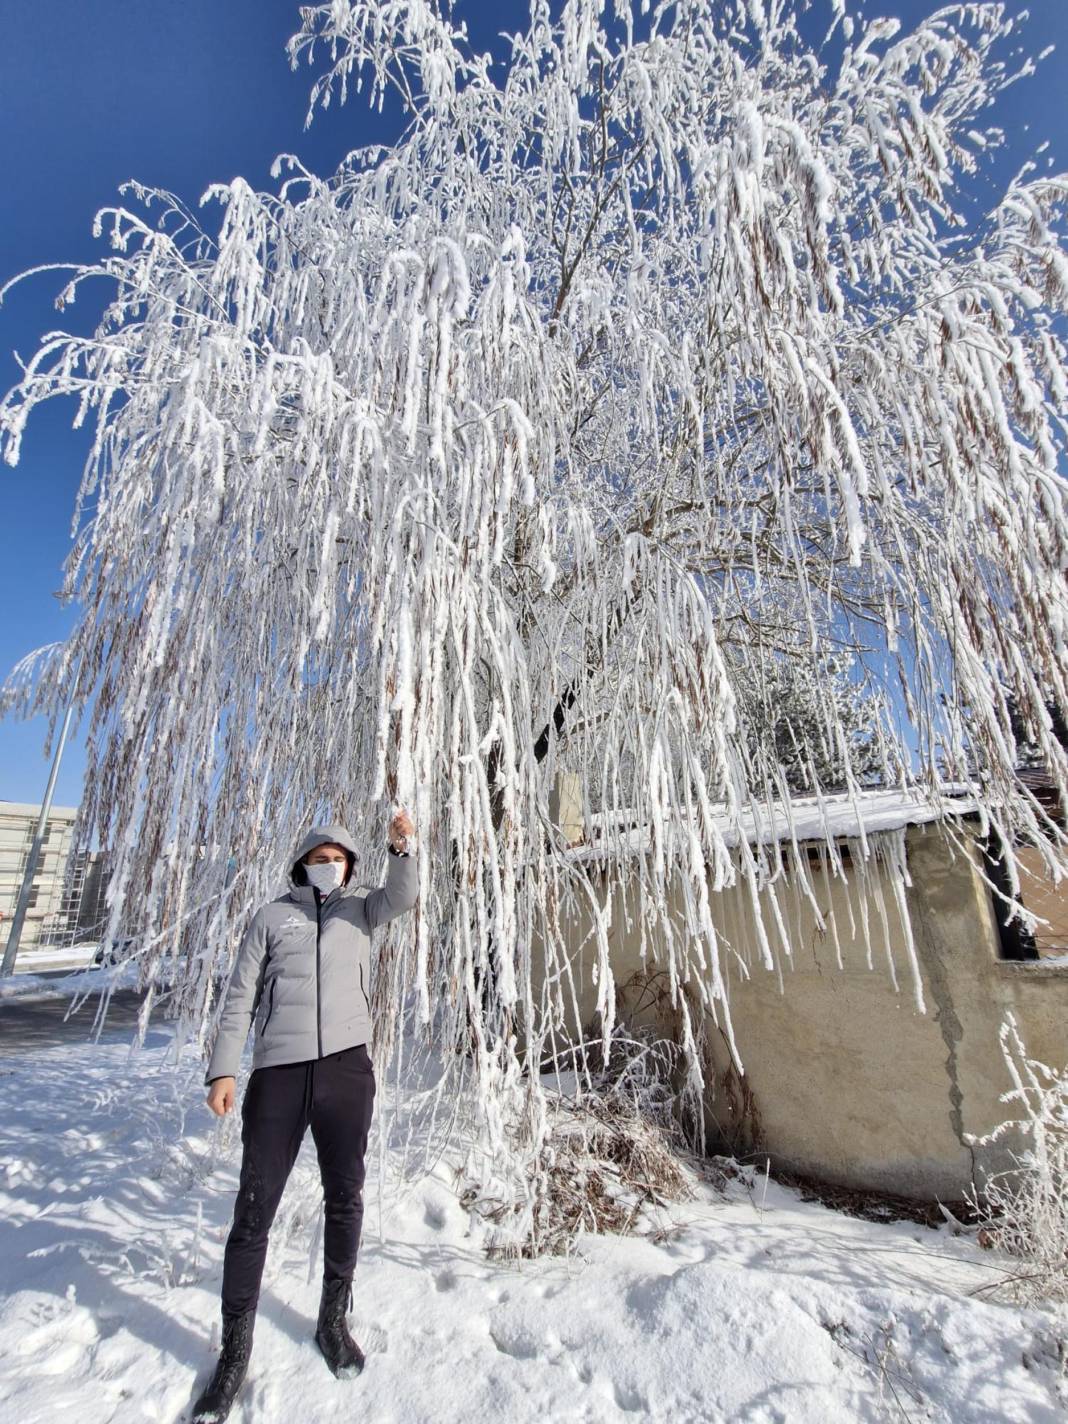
(303, 971)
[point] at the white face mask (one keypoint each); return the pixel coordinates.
(325, 876)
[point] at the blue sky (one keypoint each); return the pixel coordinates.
(180, 96)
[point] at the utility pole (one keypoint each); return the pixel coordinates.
(34, 856)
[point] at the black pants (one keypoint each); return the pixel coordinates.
(333, 1096)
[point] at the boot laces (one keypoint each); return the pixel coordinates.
(337, 1299)
(233, 1360)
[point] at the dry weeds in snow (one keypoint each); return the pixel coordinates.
(1024, 1211)
(610, 1155)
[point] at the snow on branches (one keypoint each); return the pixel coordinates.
(671, 348)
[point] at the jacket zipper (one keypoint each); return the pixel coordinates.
(363, 991)
(318, 968)
(270, 1007)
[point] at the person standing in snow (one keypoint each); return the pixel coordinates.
(302, 976)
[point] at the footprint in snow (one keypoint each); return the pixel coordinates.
(62, 1343)
(628, 1399)
(520, 1346)
(374, 1340)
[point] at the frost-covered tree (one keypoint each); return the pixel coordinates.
(1028, 753)
(782, 709)
(470, 463)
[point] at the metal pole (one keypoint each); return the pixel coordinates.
(23, 905)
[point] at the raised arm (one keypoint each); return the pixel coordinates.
(397, 894)
(242, 997)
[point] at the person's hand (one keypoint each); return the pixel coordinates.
(221, 1096)
(400, 828)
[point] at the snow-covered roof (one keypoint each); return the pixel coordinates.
(803, 818)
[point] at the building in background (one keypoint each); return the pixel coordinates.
(829, 1067)
(84, 910)
(67, 899)
(18, 822)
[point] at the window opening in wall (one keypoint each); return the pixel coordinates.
(816, 852)
(1044, 899)
(1037, 894)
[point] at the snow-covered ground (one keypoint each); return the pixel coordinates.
(32, 983)
(115, 1194)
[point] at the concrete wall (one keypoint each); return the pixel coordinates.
(844, 1078)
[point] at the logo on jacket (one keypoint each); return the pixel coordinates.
(293, 922)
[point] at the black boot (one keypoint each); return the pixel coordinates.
(340, 1350)
(217, 1400)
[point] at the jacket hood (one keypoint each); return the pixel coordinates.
(323, 835)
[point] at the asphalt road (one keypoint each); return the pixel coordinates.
(29, 1024)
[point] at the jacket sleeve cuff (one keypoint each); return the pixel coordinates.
(219, 1068)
